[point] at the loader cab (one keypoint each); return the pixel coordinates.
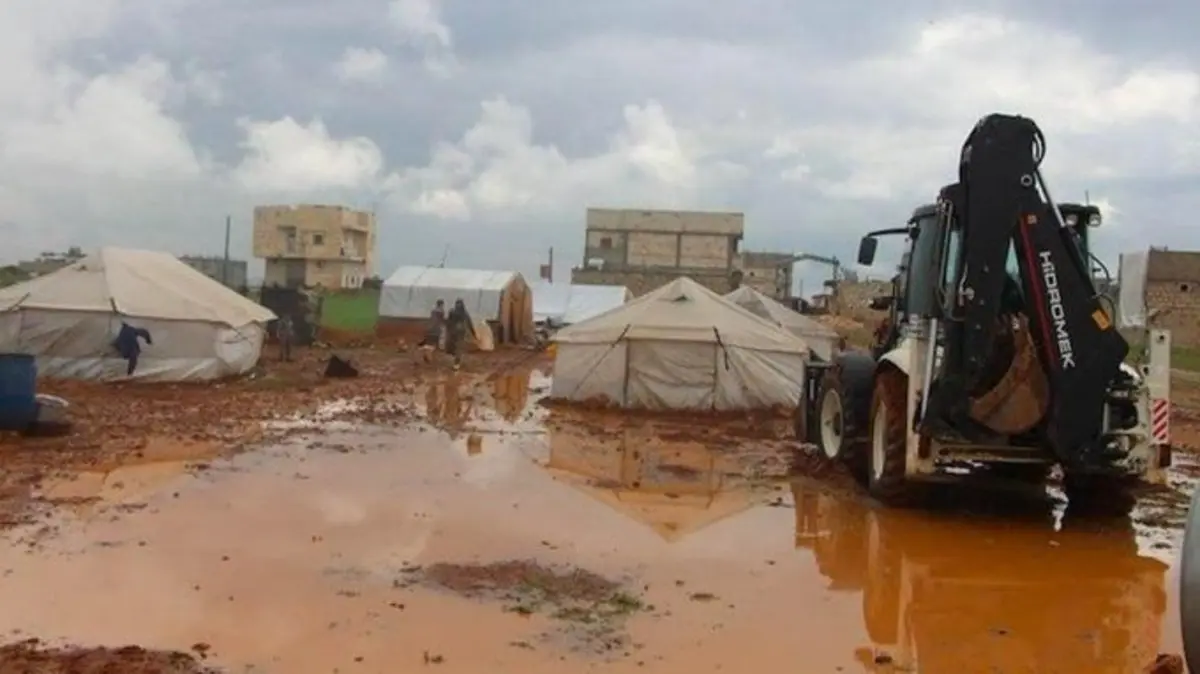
(915, 285)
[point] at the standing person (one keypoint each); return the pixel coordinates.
(435, 331)
(285, 332)
(458, 324)
(129, 347)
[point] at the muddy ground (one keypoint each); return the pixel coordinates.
(119, 424)
(454, 522)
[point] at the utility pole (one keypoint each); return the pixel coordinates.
(550, 271)
(225, 263)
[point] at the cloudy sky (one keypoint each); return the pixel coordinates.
(489, 125)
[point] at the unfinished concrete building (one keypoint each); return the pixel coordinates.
(328, 246)
(645, 249)
(768, 273)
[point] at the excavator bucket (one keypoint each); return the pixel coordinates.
(1021, 398)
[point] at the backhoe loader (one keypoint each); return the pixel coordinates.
(998, 351)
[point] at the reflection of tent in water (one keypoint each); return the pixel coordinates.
(510, 394)
(675, 488)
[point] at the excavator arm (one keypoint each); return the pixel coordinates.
(1000, 201)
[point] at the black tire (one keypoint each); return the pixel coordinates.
(1099, 495)
(843, 437)
(885, 463)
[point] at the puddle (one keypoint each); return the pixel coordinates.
(297, 558)
(946, 593)
(674, 487)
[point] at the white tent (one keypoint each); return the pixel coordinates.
(567, 303)
(69, 319)
(496, 296)
(410, 292)
(820, 338)
(679, 347)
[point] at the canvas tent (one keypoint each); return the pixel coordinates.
(68, 319)
(568, 303)
(499, 297)
(820, 338)
(679, 347)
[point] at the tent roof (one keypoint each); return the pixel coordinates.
(684, 311)
(573, 302)
(766, 307)
(456, 279)
(135, 283)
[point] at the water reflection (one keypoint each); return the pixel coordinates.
(459, 404)
(659, 476)
(958, 595)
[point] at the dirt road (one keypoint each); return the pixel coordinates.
(482, 532)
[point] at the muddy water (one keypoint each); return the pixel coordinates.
(289, 558)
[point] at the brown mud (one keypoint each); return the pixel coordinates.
(479, 531)
(33, 657)
(122, 424)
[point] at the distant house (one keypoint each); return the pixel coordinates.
(1173, 293)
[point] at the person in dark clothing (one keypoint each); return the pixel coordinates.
(435, 330)
(128, 346)
(285, 332)
(458, 326)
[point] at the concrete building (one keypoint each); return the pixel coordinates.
(768, 273)
(1173, 293)
(645, 249)
(314, 245)
(230, 272)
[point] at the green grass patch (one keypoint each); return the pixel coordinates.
(1185, 358)
(354, 311)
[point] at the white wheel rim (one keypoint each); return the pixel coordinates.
(879, 440)
(831, 424)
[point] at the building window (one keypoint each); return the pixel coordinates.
(606, 243)
(318, 239)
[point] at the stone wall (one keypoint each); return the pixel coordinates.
(855, 298)
(1178, 306)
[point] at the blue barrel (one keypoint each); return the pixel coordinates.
(18, 391)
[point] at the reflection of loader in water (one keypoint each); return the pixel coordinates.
(674, 487)
(950, 596)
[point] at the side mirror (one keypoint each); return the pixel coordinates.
(866, 250)
(882, 302)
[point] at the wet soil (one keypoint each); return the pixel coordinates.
(479, 531)
(121, 424)
(591, 609)
(33, 657)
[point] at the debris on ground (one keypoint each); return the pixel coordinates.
(339, 368)
(590, 607)
(32, 656)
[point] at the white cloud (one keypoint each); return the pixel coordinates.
(497, 168)
(114, 124)
(419, 24)
(205, 85)
(286, 156)
(362, 65)
(1103, 118)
